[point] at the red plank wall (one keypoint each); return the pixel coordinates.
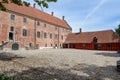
(96, 46)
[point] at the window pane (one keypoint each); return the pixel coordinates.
(11, 28)
(12, 17)
(55, 27)
(45, 45)
(24, 32)
(24, 20)
(51, 45)
(38, 23)
(38, 34)
(45, 25)
(62, 37)
(56, 36)
(45, 35)
(50, 35)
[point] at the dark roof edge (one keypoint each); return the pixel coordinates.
(68, 25)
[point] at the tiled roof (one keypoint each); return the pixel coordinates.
(35, 13)
(106, 36)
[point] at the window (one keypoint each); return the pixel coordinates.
(55, 27)
(99, 45)
(84, 45)
(56, 36)
(62, 37)
(63, 29)
(45, 35)
(38, 34)
(11, 28)
(66, 30)
(24, 32)
(45, 25)
(108, 45)
(30, 44)
(12, 17)
(55, 45)
(45, 45)
(51, 45)
(24, 20)
(38, 23)
(50, 35)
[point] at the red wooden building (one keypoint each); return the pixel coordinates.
(98, 40)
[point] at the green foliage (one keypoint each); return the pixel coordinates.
(117, 30)
(2, 7)
(3, 77)
(41, 3)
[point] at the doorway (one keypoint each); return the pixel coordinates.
(10, 36)
(95, 46)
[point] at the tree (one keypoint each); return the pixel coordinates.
(117, 30)
(41, 3)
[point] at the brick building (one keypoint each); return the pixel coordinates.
(97, 40)
(29, 26)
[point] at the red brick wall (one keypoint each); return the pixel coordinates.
(19, 25)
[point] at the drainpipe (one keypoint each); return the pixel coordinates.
(35, 33)
(58, 36)
(14, 37)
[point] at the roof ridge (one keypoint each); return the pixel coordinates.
(96, 31)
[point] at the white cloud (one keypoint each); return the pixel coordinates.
(93, 11)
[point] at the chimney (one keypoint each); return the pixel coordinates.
(63, 17)
(80, 30)
(52, 13)
(34, 5)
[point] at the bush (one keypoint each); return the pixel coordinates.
(3, 77)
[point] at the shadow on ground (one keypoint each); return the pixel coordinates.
(6, 56)
(109, 54)
(92, 72)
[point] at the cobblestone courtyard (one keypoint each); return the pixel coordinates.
(60, 64)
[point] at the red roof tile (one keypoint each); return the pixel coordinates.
(35, 13)
(106, 36)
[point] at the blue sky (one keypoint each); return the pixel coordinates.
(90, 15)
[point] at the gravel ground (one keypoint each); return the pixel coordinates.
(60, 64)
